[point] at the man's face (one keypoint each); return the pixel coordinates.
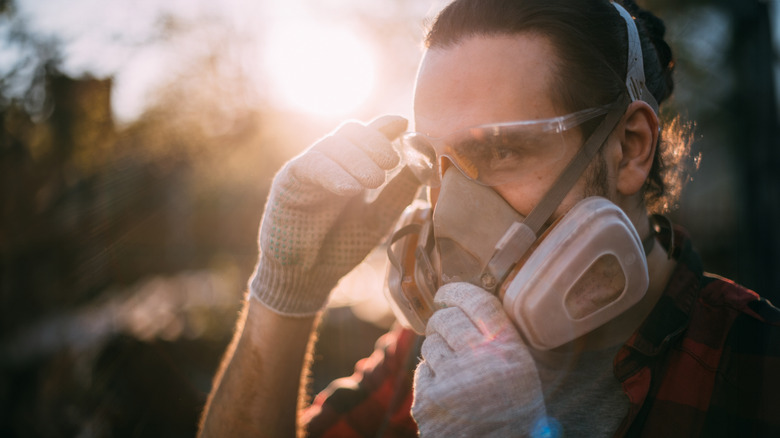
(485, 80)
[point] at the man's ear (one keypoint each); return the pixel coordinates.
(638, 133)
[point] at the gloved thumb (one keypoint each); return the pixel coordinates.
(388, 204)
(390, 126)
(484, 309)
(401, 190)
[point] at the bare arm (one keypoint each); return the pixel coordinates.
(317, 226)
(255, 392)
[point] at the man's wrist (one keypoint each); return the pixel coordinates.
(290, 290)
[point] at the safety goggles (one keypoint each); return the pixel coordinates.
(492, 154)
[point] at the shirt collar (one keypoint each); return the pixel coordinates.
(671, 314)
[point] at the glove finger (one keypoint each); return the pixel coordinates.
(435, 350)
(456, 330)
(481, 307)
(316, 168)
(374, 142)
(353, 160)
(390, 126)
(424, 378)
(387, 205)
(423, 375)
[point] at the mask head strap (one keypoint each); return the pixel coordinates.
(520, 236)
(635, 70)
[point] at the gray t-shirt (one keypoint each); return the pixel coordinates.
(581, 392)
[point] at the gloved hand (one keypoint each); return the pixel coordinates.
(477, 377)
(318, 223)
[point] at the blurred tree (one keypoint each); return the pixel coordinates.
(726, 63)
(48, 170)
(87, 204)
(89, 208)
(755, 136)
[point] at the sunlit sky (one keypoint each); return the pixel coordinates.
(308, 54)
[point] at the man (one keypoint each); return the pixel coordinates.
(531, 109)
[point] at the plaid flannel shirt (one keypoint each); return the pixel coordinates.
(705, 362)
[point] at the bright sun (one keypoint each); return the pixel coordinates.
(321, 70)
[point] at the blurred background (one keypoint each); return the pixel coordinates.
(139, 140)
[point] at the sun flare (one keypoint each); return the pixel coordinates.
(325, 71)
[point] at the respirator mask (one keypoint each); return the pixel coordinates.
(557, 282)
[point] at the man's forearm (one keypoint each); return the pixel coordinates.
(256, 390)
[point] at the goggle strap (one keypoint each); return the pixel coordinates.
(518, 239)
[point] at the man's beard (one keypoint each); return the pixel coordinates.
(596, 183)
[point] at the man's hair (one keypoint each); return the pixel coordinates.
(591, 41)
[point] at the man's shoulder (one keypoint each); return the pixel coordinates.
(709, 297)
(720, 292)
(746, 390)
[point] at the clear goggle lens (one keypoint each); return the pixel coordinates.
(492, 154)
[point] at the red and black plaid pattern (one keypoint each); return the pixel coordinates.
(706, 362)
(376, 400)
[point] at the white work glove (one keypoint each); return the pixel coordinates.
(477, 377)
(318, 223)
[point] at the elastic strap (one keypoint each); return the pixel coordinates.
(635, 70)
(566, 180)
(398, 235)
